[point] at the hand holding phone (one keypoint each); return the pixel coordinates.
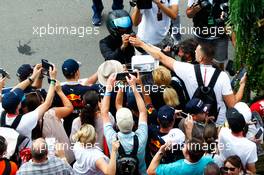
(122, 76)
(46, 66)
(4, 73)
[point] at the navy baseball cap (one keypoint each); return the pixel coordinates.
(12, 99)
(166, 113)
(70, 66)
(24, 71)
(195, 106)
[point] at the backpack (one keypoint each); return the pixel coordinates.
(207, 94)
(16, 142)
(127, 164)
(178, 84)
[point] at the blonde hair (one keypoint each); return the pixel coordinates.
(85, 135)
(170, 97)
(161, 76)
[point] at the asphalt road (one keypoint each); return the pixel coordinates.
(28, 22)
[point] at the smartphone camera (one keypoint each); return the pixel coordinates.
(4, 73)
(46, 66)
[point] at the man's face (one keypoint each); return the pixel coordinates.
(200, 117)
(198, 54)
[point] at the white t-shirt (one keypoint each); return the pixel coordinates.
(86, 159)
(27, 123)
(151, 30)
(222, 86)
(99, 128)
(230, 145)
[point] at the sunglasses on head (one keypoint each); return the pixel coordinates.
(225, 169)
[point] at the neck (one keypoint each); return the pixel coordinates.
(239, 134)
(73, 80)
(165, 130)
(39, 161)
(11, 115)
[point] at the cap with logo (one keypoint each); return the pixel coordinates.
(195, 106)
(166, 113)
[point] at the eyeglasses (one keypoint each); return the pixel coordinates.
(225, 169)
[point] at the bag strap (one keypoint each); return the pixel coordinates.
(135, 146)
(214, 78)
(16, 121)
(3, 119)
(122, 152)
(7, 169)
(197, 70)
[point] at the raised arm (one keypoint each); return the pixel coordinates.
(140, 103)
(145, 94)
(136, 16)
(106, 100)
(51, 92)
(36, 73)
(153, 51)
(119, 99)
(192, 10)
(156, 160)
(67, 108)
(110, 168)
(171, 11)
(91, 80)
(2, 85)
(232, 99)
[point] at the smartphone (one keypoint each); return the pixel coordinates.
(133, 34)
(259, 133)
(46, 65)
(4, 73)
(122, 76)
(238, 76)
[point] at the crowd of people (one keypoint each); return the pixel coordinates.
(185, 119)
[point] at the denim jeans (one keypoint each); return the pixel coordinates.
(98, 6)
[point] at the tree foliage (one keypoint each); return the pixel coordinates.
(244, 15)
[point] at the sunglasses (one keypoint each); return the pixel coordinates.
(225, 169)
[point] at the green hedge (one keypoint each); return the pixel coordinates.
(244, 15)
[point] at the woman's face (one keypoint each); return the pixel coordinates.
(230, 169)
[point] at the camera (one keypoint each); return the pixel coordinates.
(141, 4)
(224, 16)
(205, 4)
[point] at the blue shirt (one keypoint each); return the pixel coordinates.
(127, 142)
(184, 167)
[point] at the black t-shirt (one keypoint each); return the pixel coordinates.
(111, 50)
(74, 93)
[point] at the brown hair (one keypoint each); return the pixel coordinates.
(208, 50)
(210, 135)
(235, 161)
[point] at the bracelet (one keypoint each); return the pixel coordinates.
(53, 82)
(107, 94)
(30, 80)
